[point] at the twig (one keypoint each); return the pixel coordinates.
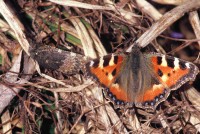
(164, 22)
(15, 25)
(194, 20)
(147, 8)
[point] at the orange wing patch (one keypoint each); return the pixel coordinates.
(150, 94)
(103, 75)
(169, 75)
(119, 93)
(105, 69)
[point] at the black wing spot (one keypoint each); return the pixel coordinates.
(95, 64)
(106, 73)
(170, 63)
(106, 61)
(160, 73)
(182, 66)
(114, 72)
(159, 60)
(115, 59)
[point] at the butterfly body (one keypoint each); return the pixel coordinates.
(141, 79)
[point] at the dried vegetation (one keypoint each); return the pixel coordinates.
(56, 97)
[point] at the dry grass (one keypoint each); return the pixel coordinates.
(56, 97)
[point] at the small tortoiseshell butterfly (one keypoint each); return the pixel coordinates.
(141, 79)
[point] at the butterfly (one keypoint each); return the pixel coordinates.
(142, 79)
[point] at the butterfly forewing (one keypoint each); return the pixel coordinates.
(173, 71)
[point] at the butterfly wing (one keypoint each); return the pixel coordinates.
(169, 73)
(142, 79)
(105, 71)
(173, 71)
